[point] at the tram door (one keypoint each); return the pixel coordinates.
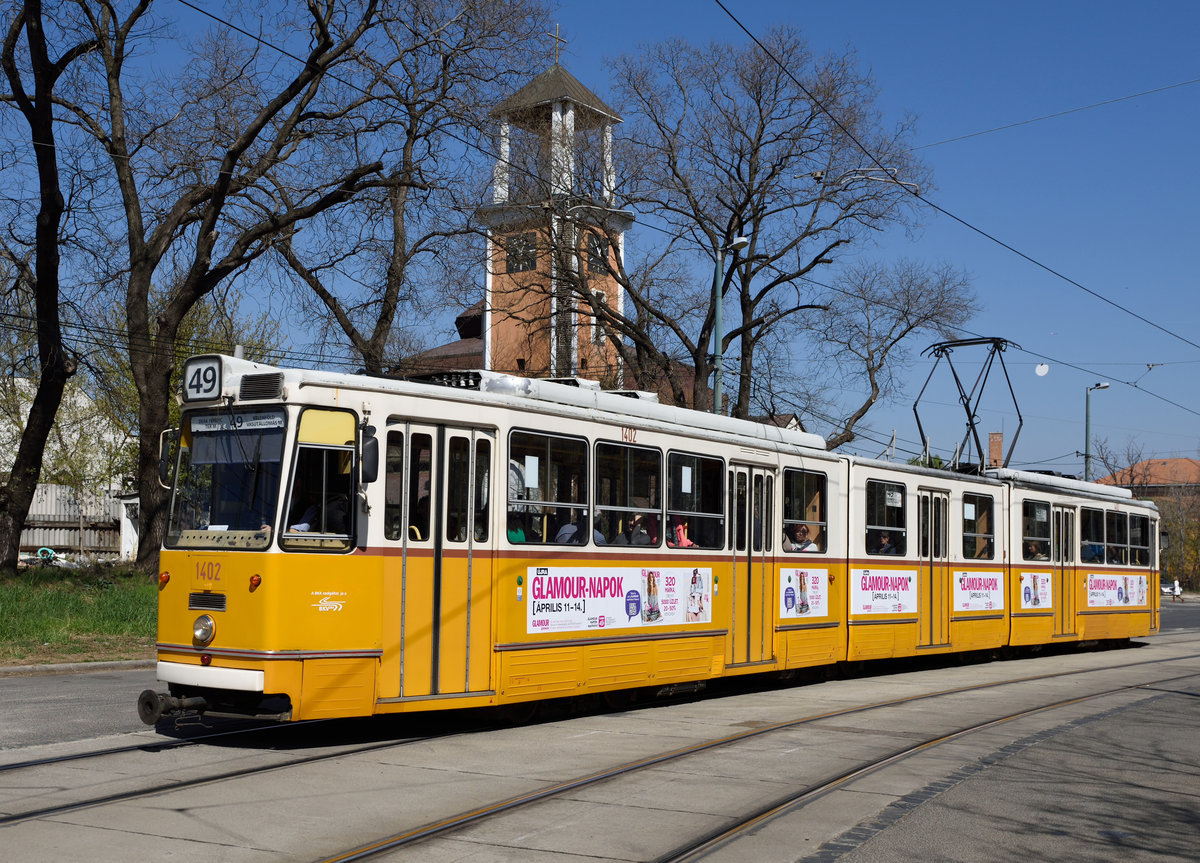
(446, 575)
(751, 537)
(935, 592)
(1062, 550)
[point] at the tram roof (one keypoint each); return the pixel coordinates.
(568, 399)
(551, 397)
(1048, 482)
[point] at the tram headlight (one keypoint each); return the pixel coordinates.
(204, 629)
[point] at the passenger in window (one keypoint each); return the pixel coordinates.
(635, 532)
(307, 519)
(886, 546)
(328, 519)
(795, 538)
(1091, 552)
(516, 533)
(677, 537)
(571, 532)
(1036, 550)
(1116, 554)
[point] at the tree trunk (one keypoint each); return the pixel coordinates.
(153, 498)
(17, 496)
(152, 371)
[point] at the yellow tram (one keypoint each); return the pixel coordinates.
(341, 545)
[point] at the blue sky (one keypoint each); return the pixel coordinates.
(1108, 197)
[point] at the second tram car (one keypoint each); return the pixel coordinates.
(341, 545)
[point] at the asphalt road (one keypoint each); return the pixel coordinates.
(43, 707)
(1113, 785)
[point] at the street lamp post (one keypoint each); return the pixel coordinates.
(1087, 429)
(718, 301)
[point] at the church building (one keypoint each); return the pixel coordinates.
(553, 241)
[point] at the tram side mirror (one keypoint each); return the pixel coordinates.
(370, 456)
(166, 442)
(1164, 541)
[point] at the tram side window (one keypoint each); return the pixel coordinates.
(321, 496)
(804, 525)
(737, 503)
(768, 534)
(1091, 536)
(393, 485)
(695, 498)
(466, 490)
(483, 483)
(1062, 543)
(547, 489)
(1116, 529)
(886, 518)
(757, 513)
(420, 471)
(1139, 540)
(628, 494)
(979, 532)
(1035, 530)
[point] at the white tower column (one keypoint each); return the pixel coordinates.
(500, 172)
(562, 148)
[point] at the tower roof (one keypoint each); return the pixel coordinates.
(554, 85)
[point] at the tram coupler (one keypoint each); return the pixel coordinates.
(152, 705)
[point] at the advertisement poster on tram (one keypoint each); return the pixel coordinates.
(1106, 591)
(803, 593)
(572, 599)
(1036, 591)
(978, 591)
(883, 591)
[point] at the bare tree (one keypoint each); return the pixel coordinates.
(438, 66)
(653, 332)
(728, 144)
(866, 331)
(1126, 468)
(32, 75)
(1178, 504)
(1179, 508)
(199, 162)
(217, 323)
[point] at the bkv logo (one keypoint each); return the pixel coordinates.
(328, 603)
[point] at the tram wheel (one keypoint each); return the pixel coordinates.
(619, 699)
(521, 713)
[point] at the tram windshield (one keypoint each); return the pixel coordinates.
(227, 480)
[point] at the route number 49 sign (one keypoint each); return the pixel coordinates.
(202, 379)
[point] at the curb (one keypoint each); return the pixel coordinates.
(74, 667)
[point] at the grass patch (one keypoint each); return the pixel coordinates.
(51, 614)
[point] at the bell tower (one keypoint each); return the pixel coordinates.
(554, 237)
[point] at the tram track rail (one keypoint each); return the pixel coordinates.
(182, 784)
(727, 834)
(447, 825)
(148, 746)
(695, 849)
